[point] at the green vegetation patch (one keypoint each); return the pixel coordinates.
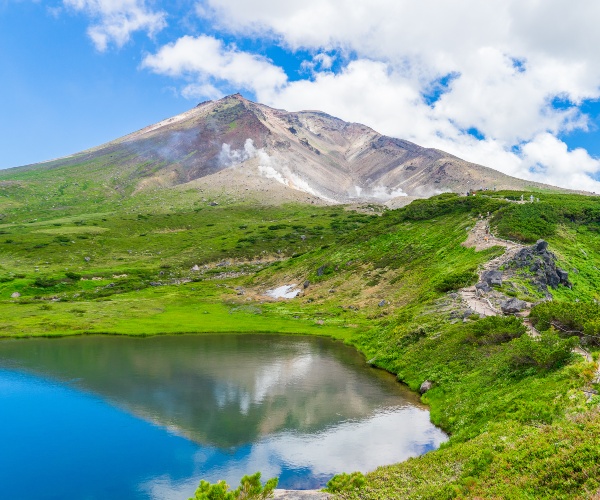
(82, 254)
(73, 230)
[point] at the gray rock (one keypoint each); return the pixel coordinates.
(468, 313)
(87, 259)
(213, 204)
(542, 266)
(301, 495)
(483, 286)
(492, 278)
(513, 306)
(540, 246)
(15, 295)
(562, 275)
(425, 386)
(306, 284)
(320, 271)
(382, 303)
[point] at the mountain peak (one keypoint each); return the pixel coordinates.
(236, 145)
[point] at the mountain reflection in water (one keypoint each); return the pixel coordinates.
(251, 402)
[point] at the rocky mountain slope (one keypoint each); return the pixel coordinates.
(240, 147)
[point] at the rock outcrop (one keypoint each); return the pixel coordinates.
(492, 278)
(513, 306)
(542, 264)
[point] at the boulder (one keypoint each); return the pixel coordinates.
(320, 271)
(492, 278)
(306, 284)
(15, 295)
(563, 276)
(483, 286)
(513, 306)
(542, 265)
(540, 246)
(425, 386)
(195, 268)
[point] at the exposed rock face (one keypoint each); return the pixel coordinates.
(239, 147)
(542, 263)
(513, 306)
(492, 278)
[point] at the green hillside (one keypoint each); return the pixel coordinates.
(77, 260)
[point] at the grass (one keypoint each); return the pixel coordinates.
(90, 257)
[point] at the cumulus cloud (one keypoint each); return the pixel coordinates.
(116, 20)
(477, 79)
(209, 60)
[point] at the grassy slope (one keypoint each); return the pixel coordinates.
(519, 428)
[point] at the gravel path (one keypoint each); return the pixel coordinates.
(481, 238)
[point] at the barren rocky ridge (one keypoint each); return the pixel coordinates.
(249, 149)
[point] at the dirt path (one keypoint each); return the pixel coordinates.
(481, 238)
(480, 305)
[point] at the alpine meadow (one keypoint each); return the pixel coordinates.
(235, 218)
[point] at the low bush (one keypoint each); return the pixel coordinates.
(495, 330)
(250, 488)
(456, 280)
(547, 352)
(346, 482)
(44, 282)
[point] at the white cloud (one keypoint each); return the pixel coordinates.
(207, 59)
(509, 60)
(116, 20)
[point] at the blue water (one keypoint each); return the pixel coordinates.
(69, 438)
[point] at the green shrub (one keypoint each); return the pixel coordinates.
(495, 330)
(528, 222)
(345, 482)
(457, 280)
(579, 318)
(73, 276)
(546, 352)
(44, 282)
(250, 488)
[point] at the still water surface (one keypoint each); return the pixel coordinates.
(117, 417)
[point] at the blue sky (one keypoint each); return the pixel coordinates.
(511, 84)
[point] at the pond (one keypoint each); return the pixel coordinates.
(101, 417)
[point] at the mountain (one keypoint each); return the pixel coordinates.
(242, 148)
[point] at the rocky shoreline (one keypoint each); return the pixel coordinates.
(301, 495)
